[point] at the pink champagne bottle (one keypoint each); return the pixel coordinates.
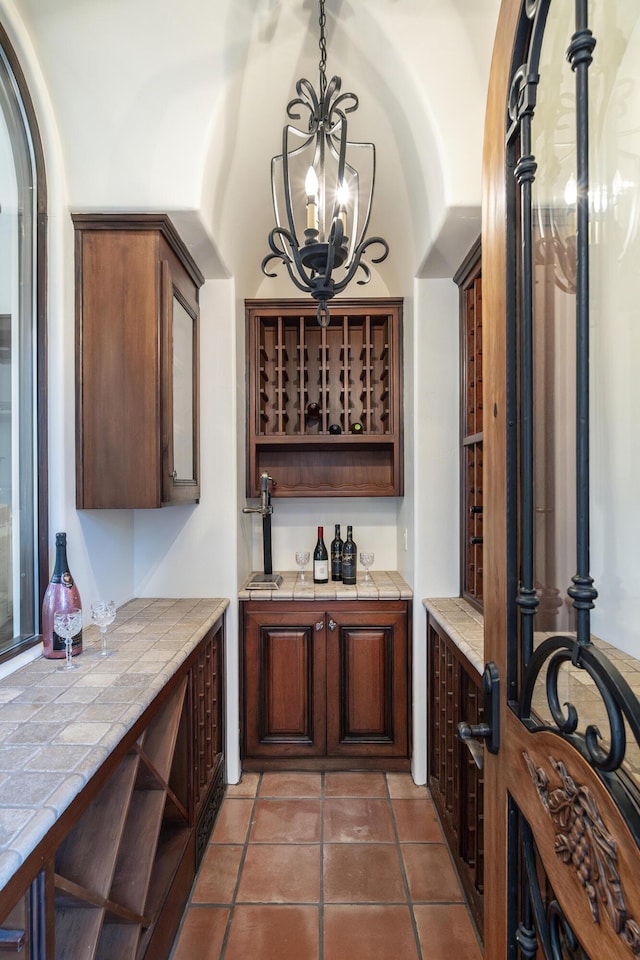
(61, 594)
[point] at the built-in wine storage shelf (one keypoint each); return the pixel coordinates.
(325, 403)
(137, 827)
(455, 782)
(469, 280)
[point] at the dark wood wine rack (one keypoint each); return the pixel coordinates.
(455, 782)
(469, 280)
(350, 373)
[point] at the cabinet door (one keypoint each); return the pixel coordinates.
(367, 684)
(284, 684)
(180, 448)
(118, 431)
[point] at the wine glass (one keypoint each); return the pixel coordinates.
(366, 559)
(103, 612)
(67, 623)
(302, 559)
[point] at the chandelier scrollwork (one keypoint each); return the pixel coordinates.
(320, 194)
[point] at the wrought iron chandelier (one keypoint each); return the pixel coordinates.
(320, 194)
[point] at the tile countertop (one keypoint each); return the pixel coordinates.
(463, 623)
(56, 729)
(383, 585)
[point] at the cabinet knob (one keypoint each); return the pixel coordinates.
(320, 625)
(332, 624)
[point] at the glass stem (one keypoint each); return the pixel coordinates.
(67, 645)
(103, 631)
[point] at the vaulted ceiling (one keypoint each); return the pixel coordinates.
(180, 106)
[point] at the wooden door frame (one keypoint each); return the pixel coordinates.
(494, 272)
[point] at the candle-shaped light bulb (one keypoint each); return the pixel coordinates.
(343, 200)
(311, 190)
(311, 184)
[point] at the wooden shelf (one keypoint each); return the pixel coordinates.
(138, 850)
(88, 856)
(326, 441)
(76, 928)
(171, 847)
(157, 744)
(353, 370)
(118, 940)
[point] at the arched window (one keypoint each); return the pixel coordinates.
(22, 359)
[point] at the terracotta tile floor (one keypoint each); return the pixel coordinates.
(326, 866)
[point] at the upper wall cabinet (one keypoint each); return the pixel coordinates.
(137, 316)
(324, 404)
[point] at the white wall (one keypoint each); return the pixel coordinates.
(435, 544)
(191, 550)
(295, 521)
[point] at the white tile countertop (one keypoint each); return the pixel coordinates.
(57, 729)
(463, 623)
(382, 585)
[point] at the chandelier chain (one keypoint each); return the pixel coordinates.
(323, 51)
(333, 221)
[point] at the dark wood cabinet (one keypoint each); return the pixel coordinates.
(307, 388)
(469, 280)
(455, 782)
(137, 316)
(325, 684)
(120, 862)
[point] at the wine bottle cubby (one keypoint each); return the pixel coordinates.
(325, 403)
(469, 280)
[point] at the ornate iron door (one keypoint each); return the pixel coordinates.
(565, 782)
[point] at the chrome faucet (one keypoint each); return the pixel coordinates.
(265, 510)
(265, 507)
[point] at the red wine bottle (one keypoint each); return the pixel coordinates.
(349, 559)
(336, 555)
(320, 560)
(61, 594)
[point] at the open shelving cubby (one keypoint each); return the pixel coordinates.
(352, 371)
(127, 844)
